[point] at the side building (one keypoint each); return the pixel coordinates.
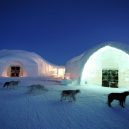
(19, 63)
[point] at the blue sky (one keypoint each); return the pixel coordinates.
(61, 30)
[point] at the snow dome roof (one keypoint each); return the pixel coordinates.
(85, 55)
(29, 61)
(19, 54)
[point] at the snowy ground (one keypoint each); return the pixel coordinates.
(44, 110)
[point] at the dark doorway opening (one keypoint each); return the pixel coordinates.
(110, 78)
(15, 71)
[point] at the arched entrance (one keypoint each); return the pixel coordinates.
(15, 71)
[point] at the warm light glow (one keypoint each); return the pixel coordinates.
(7, 70)
(55, 71)
(105, 58)
(61, 72)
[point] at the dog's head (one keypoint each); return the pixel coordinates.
(126, 92)
(78, 91)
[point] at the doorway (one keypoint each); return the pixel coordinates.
(15, 71)
(110, 78)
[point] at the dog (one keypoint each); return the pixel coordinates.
(69, 94)
(11, 84)
(36, 87)
(121, 97)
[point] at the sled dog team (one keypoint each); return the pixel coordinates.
(71, 94)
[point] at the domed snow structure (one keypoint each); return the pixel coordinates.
(19, 63)
(107, 66)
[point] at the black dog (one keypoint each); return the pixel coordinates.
(11, 84)
(121, 97)
(69, 94)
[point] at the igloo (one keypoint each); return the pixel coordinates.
(19, 63)
(108, 66)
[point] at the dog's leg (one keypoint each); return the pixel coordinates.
(70, 98)
(61, 98)
(110, 99)
(74, 98)
(5, 85)
(121, 103)
(109, 103)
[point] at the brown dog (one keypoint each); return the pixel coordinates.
(121, 97)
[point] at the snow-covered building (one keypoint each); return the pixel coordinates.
(107, 66)
(18, 63)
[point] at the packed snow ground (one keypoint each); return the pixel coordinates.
(44, 110)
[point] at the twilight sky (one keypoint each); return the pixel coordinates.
(60, 30)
